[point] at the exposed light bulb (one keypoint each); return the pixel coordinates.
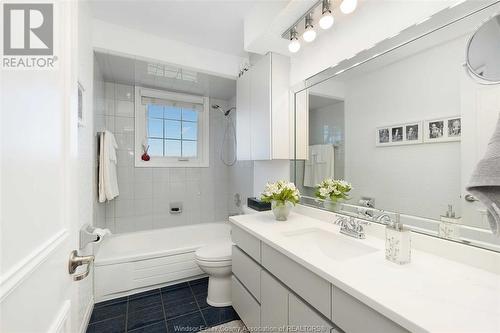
(294, 45)
(309, 34)
(326, 20)
(348, 6)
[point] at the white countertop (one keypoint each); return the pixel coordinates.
(431, 294)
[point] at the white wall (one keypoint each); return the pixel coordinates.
(145, 193)
(372, 22)
(131, 42)
(420, 179)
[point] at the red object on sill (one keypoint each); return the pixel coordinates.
(145, 157)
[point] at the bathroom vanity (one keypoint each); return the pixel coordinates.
(305, 275)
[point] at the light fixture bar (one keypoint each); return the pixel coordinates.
(286, 34)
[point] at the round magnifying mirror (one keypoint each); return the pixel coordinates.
(483, 52)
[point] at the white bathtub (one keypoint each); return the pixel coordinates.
(132, 262)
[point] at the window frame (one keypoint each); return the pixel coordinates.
(201, 161)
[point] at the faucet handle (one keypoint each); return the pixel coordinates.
(341, 220)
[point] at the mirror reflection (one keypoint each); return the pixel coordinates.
(405, 130)
(483, 51)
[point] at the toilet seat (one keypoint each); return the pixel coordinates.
(221, 252)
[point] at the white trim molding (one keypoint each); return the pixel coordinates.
(24, 268)
(61, 322)
(86, 317)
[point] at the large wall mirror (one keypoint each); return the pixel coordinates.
(405, 123)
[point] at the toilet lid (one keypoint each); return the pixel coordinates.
(215, 252)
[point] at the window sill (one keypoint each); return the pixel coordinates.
(160, 163)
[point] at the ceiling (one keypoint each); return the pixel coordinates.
(152, 74)
(318, 102)
(215, 25)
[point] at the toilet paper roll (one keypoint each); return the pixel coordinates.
(101, 233)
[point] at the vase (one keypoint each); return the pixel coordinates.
(281, 210)
(331, 205)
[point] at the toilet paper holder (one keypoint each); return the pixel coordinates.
(87, 236)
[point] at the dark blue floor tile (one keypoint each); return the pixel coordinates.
(199, 288)
(175, 286)
(144, 293)
(160, 327)
(114, 325)
(108, 311)
(216, 316)
(145, 301)
(189, 323)
(180, 307)
(177, 294)
(202, 301)
(199, 281)
(111, 301)
(145, 317)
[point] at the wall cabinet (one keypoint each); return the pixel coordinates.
(263, 113)
(274, 292)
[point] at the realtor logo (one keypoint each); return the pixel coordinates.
(28, 29)
(28, 36)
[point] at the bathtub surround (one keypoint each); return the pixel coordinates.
(177, 308)
(207, 194)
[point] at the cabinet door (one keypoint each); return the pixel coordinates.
(302, 318)
(260, 109)
(243, 151)
(273, 304)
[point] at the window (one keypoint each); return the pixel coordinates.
(174, 127)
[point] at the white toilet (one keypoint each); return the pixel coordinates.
(215, 260)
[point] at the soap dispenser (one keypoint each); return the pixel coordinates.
(397, 242)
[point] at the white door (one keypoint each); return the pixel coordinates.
(480, 112)
(38, 180)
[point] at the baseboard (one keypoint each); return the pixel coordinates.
(86, 317)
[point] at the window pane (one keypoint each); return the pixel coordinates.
(189, 149)
(190, 115)
(155, 128)
(172, 148)
(173, 129)
(171, 112)
(155, 147)
(155, 111)
(189, 130)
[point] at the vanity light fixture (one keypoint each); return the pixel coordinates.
(348, 6)
(309, 33)
(294, 45)
(326, 20)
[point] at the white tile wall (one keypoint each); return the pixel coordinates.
(146, 193)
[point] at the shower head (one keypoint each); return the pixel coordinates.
(226, 113)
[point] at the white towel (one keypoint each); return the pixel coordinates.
(485, 181)
(320, 165)
(108, 182)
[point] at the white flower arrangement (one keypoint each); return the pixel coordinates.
(332, 189)
(281, 192)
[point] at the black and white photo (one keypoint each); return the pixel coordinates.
(443, 129)
(454, 127)
(383, 135)
(397, 134)
(412, 132)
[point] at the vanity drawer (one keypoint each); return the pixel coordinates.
(301, 318)
(247, 271)
(245, 305)
(248, 243)
(355, 317)
(315, 290)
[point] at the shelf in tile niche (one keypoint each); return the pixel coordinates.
(177, 308)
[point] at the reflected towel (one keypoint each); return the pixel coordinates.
(320, 164)
(108, 182)
(485, 181)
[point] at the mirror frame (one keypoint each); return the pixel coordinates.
(449, 16)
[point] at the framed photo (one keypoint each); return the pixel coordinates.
(81, 90)
(396, 135)
(443, 129)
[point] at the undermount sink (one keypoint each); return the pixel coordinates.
(335, 246)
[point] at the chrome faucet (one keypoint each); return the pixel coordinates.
(384, 218)
(351, 227)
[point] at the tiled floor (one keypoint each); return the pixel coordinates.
(178, 308)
